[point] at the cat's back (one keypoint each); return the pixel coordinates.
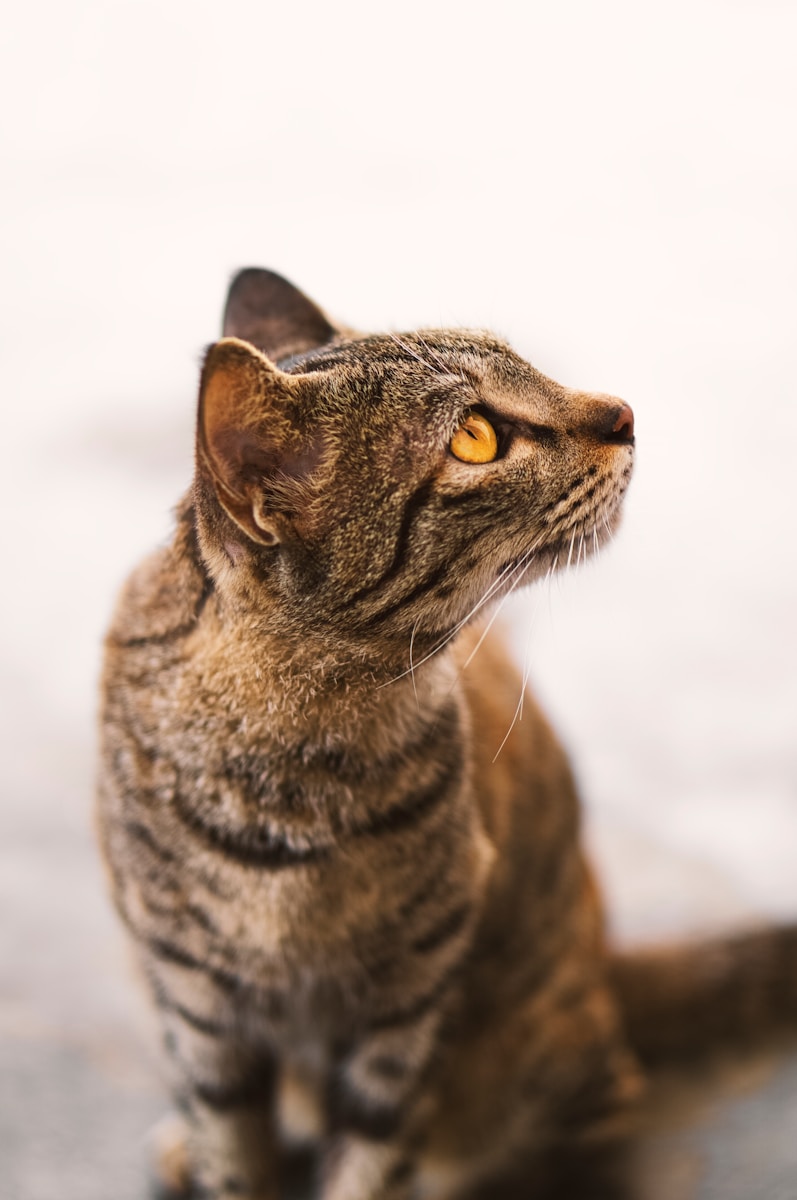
(162, 597)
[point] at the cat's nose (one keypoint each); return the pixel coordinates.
(623, 427)
(606, 418)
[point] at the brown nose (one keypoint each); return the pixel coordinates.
(623, 427)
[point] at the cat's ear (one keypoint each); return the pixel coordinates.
(246, 441)
(268, 311)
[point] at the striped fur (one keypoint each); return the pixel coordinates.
(354, 918)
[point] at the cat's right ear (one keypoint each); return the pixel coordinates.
(244, 435)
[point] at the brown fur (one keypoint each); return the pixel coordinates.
(359, 925)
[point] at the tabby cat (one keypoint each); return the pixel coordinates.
(361, 926)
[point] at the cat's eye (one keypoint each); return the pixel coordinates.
(475, 441)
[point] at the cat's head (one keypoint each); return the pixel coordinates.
(368, 488)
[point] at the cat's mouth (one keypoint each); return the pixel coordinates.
(591, 522)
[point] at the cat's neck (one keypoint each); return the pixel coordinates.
(308, 680)
(309, 687)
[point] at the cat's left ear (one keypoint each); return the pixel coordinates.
(267, 310)
(246, 441)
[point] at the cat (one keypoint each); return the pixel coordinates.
(362, 926)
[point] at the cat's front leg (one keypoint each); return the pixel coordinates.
(377, 1103)
(225, 1091)
(358, 1168)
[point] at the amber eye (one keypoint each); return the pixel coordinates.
(475, 440)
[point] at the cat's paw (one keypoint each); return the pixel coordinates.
(171, 1167)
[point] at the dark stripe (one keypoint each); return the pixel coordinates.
(423, 894)
(234, 1186)
(401, 1172)
(143, 834)
(211, 885)
(169, 635)
(476, 501)
(377, 1120)
(160, 910)
(168, 952)
(200, 918)
(416, 502)
(387, 1066)
(413, 808)
(201, 1024)
(400, 1017)
(251, 847)
(568, 491)
(270, 1002)
(354, 1113)
(344, 766)
(179, 911)
(192, 551)
(444, 931)
(164, 883)
(421, 589)
(254, 1089)
(254, 847)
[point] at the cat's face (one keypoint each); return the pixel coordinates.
(382, 487)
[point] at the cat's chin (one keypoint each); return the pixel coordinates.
(585, 534)
(573, 547)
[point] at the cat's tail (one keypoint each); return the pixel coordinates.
(688, 999)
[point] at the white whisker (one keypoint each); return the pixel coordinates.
(438, 359)
(409, 350)
(441, 362)
(518, 714)
(412, 668)
(498, 582)
(572, 543)
(526, 564)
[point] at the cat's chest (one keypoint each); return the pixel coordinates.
(321, 865)
(326, 943)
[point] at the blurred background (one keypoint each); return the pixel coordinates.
(613, 187)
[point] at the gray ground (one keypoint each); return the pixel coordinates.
(613, 186)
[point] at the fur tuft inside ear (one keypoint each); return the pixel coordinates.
(246, 441)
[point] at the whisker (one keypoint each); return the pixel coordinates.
(497, 583)
(493, 619)
(412, 668)
(433, 353)
(441, 361)
(526, 564)
(409, 350)
(501, 578)
(572, 543)
(518, 714)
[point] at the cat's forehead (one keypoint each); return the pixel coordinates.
(431, 357)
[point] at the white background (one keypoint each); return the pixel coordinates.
(612, 185)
